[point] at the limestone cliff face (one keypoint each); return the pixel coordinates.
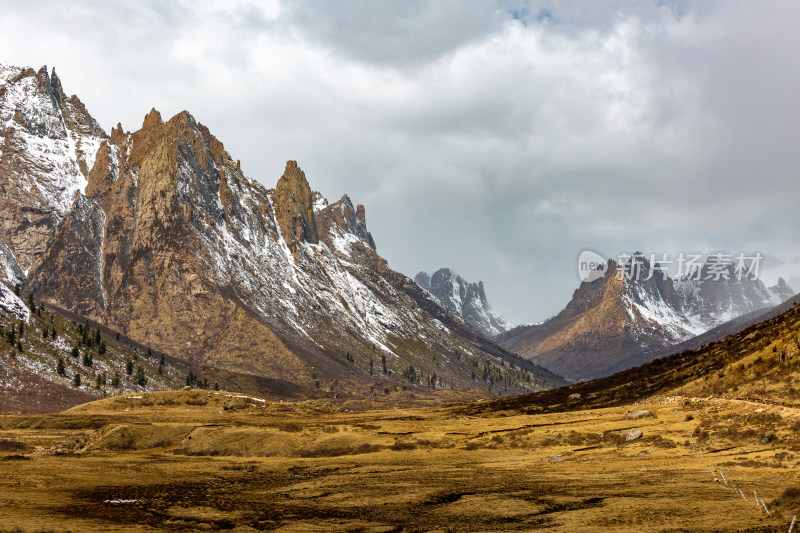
(47, 144)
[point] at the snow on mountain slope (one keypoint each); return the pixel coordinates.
(10, 271)
(709, 302)
(606, 321)
(174, 245)
(780, 292)
(652, 308)
(467, 299)
(10, 303)
(48, 142)
(632, 311)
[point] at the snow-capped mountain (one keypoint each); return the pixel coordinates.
(710, 300)
(48, 143)
(467, 299)
(626, 313)
(168, 241)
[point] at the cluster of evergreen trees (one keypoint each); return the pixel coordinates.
(91, 339)
(89, 345)
(414, 376)
(507, 377)
(13, 335)
(31, 304)
(196, 382)
(410, 374)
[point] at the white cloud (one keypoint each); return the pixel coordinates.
(496, 138)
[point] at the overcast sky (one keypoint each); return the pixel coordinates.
(496, 138)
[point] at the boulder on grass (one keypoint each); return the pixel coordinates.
(633, 434)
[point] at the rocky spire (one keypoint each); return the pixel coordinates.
(294, 207)
(153, 118)
(117, 131)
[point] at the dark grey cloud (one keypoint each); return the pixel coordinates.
(497, 138)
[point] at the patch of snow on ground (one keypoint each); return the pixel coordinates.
(12, 304)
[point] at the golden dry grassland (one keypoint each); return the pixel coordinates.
(199, 460)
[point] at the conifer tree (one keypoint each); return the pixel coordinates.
(60, 370)
(141, 379)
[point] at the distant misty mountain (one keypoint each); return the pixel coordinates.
(467, 299)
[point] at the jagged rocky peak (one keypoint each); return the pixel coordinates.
(718, 293)
(170, 243)
(647, 281)
(172, 171)
(76, 117)
(423, 279)
(117, 131)
(294, 207)
(153, 118)
(48, 143)
(633, 310)
(467, 299)
(341, 224)
(781, 291)
(319, 202)
(31, 101)
(630, 309)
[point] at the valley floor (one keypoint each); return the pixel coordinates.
(199, 460)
